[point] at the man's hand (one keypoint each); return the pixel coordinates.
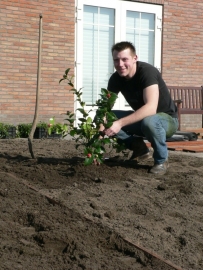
(113, 130)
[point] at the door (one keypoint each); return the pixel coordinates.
(99, 24)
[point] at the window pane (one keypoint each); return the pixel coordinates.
(147, 47)
(147, 21)
(106, 16)
(133, 36)
(106, 67)
(98, 37)
(90, 57)
(90, 14)
(133, 19)
(140, 30)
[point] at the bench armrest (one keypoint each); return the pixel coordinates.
(179, 101)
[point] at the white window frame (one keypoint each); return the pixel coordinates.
(120, 28)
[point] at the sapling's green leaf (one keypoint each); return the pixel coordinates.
(98, 150)
(81, 110)
(67, 71)
(103, 149)
(88, 161)
(102, 111)
(85, 127)
(80, 89)
(108, 125)
(71, 120)
(88, 112)
(113, 97)
(89, 120)
(106, 140)
(79, 94)
(86, 151)
(99, 160)
(78, 131)
(73, 132)
(83, 120)
(82, 104)
(72, 85)
(70, 114)
(104, 91)
(109, 117)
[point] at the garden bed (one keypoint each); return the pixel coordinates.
(58, 214)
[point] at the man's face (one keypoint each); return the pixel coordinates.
(125, 63)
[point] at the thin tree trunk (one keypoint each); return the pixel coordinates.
(30, 138)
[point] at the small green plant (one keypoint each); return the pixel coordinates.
(23, 130)
(57, 128)
(7, 131)
(86, 133)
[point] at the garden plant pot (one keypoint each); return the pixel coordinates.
(40, 133)
(9, 133)
(54, 136)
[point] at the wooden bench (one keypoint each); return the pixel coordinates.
(189, 100)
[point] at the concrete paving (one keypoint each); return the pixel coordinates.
(200, 154)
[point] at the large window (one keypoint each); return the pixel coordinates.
(102, 23)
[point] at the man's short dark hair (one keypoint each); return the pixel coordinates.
(123, 45)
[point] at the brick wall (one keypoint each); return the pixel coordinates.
(182, 49)
(182, 54)
(182, 42)
(191, 121)
(19, 34)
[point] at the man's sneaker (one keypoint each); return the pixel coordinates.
(160, 168)
(140, 150)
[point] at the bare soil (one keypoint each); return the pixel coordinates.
(56, 213)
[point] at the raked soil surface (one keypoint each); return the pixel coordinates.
(56, 213)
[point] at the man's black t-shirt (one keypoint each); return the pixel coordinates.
(132, 89)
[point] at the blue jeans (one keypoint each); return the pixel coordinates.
(155, 128)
